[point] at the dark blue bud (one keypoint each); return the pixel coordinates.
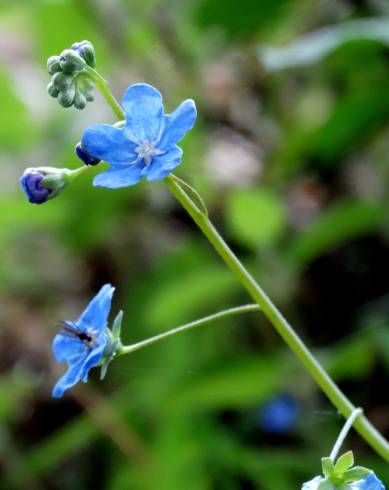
(278, 415)
(31, 183)
(85, 157)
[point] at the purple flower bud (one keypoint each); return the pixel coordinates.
(31, 183)
(85, 156)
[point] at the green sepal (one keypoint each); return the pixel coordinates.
(53, 65)
(62, 81)
(79, 100)
(344, 462)
(66, 97)
(325, 484)
(52, 90)
(88, 53)
(328, 466)
(117, 325)
(355, 474)
(71, 61)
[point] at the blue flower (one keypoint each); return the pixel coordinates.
(370, 482)
(31, 183)
(82, 344)
(279, 414)
(145, 146)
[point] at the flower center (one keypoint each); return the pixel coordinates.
(147, 151)
(89, 339)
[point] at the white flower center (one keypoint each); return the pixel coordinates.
(91, 340)
(147, 151)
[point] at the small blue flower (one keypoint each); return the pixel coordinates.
(82, 344)
(146, 144)
(370, 482)
(279, 414)
(31, 183)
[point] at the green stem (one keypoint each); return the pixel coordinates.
(77, 171)
(341, 402)
(343, 434)
(103, 86)
(335, 395)
(125, 349)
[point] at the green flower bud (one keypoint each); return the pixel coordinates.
(62, 81)
(52, 90)
(53, 65)
(71, 61)
(87, 51)
(90, 97)
(66, 97)
(79, 100)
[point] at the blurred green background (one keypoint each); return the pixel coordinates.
(291, 152)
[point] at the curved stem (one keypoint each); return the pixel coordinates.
(341, 402)
(103, 86)
(125, 349)
(343, 434)
(335, 395)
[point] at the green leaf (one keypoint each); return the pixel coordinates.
(322, 42)
(255, 217)
(343, 221)
(344, 462)
(327, 465)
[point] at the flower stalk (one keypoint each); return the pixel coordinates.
(332, 391)
(126, 349)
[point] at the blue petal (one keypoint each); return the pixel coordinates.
(65, 348)
(371, 482)
(177, 124)
(312, 484)
(93, 358)
(142, 104)
(162, 165)
(108, 143)
(96, 313)
(116, 177)
(69, 379)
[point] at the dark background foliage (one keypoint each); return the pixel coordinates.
(291, 153)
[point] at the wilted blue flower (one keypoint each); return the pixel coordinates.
(279, 414)
(31, 183)
(370, 482)
(146, 144)
(84, 343)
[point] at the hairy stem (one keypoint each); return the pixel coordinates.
(335, 395)
(125, 349)
(343, 434)
(341, 402)
(103, 86)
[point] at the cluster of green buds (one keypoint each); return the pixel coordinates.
(71, 84)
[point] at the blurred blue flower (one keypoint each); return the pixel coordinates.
(146, 144)
(31, 183)
(279, 415)
(370, 482)
(82, 344)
